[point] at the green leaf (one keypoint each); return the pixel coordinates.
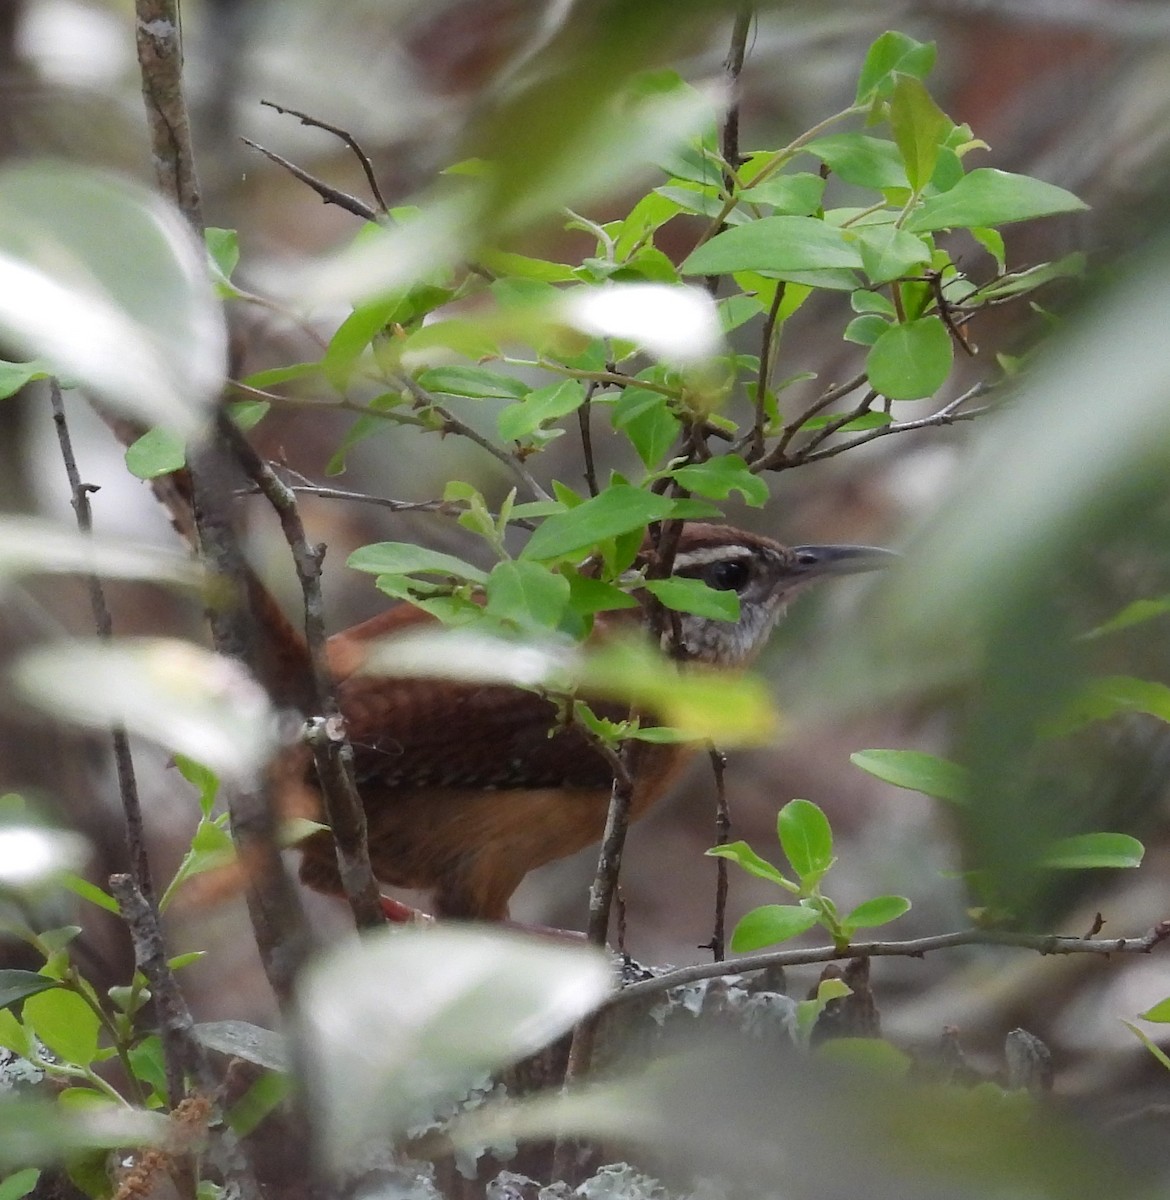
(202, 778)
(247, 414)
(782, 244)
(1160, 1013)
(102, 279)
(918, 772)
(1131, 614)
(478, 383)
(353, 335)
(694, 596)
(65, 1023)
(261, 1099)
(18, 985)
(798, 195)
(619, 509)
(881, 910)
(223, 248)
(910, 361)
(528, 594)
(88, 891)
(769, 924)
(919, 127)
(1093, 850)
(867, 162)
(865, 330)
(501, 262)
(1149, 1044)
(891, 52)
(718, 477)
(806, 838)
(405, 558)
(544, 404)
(19, 1183)
(867, 420)
(1100, 699)
(986, 196)
(888, 253)
(745, 857)
(157, 452)
(14, 376)
(149, 1065)
(645, 418)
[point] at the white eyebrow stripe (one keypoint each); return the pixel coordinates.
(700, 558)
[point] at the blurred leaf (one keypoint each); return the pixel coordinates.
(619, 509)
(720, 476)
(38, 1130)
(204, 780)
(478, 383)
(29, 545)
(986, 196)
(770, 924)
(223, 249)
(881, 910)
(404, 558)
(744, 856)
(1100, 699)
(19, 985)
(101, 278)
(1149, 1044)
(19, 1183)
(89, 891)
(1089, 850)
(806, 839)
(466, 1001)
(242, 1039)
(1132, 614)
(910, 361)
(14, 376)
(33, 855)
(157, 452)
(174, 693)
(65, 1023)
(781, 244)
(262, 1098)
(926, 773)
(694, 596)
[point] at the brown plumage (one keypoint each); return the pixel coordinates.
(465, 790)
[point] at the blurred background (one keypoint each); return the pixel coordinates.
(1075, 92)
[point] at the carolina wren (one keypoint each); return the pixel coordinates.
(466, 791)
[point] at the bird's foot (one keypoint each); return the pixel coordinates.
(398, 913)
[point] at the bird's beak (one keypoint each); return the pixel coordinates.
(813, 562)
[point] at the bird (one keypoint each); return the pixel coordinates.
(468, 787)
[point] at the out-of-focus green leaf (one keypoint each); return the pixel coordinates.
(157, 452)
(987, 196)
(1159, 1013)
(172, 692)
(14, 376)
(910, 361)
(770, 924)
(1132, 614)
(1100, 699)
(19, 1184)
(918, 772)
(89, 891)
(1094, 850)
(102, 279)
(39, 1130)
(617, 510)
(467, 1001)
(781, 244)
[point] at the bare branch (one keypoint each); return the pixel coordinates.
(348, 138)
(1042, 943)
(328, 193)
(718, 943)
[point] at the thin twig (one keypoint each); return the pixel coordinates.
(174, 1017)
(583, 414)
(1042, 943)
(732, 70)
(776, 459)
(332, 752)
(718, 942)
(755, 439)
(348, 138)
(160, 58)
(328, 193)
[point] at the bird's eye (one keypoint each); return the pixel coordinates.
(727, 576)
